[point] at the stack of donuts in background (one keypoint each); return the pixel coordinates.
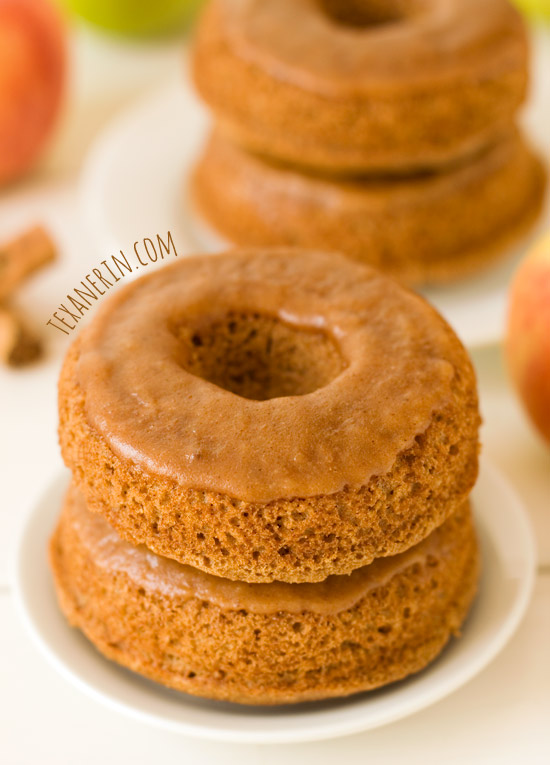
(272, 453)
(382, 129)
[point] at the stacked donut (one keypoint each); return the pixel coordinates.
(385, 130)
(271, 454)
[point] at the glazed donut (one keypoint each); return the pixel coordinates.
(351, 86)
(270, 415)
(264, 643)
(429, 228)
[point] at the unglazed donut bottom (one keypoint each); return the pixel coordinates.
(263, 644)
(270, 415)
(360, 86)
(431, 228)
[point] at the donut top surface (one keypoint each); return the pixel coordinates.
(347, 46)
(265, 374)
(171, 579)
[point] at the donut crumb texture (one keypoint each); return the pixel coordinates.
(195, 646)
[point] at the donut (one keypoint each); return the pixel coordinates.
(433, 227)
(270, 415)
(263, 643)
(430, 228)
(359, 86)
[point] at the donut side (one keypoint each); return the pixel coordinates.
(396, 129)
(292, 539)
(431, 228)
(194, 645)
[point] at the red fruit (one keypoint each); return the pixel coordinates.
(32, 67)
(528, 334)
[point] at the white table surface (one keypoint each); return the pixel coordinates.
(502, 716)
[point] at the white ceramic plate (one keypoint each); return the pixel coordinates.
(133, 181)
(508, 572)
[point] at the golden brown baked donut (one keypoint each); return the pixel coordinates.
(270, 415)
(352, 86)
(429, 228)
(264, 643)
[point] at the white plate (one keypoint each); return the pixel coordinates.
(133, 181)
(507, 578)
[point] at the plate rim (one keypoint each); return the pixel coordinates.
(490, 648)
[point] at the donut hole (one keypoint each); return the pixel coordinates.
(367, 13)
(259, 357)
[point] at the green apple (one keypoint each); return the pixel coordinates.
(535, 8)
(135, 17)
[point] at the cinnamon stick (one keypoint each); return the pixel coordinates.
(23, 255)
(18, 344)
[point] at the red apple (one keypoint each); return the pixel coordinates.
(32, 65)
(528, 334)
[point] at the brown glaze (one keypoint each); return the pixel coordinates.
(167, 577)
(397, 366)
(415, 41)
